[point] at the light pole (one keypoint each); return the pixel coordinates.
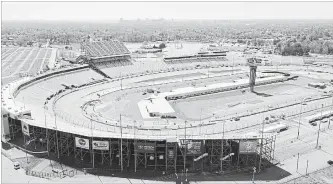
(254, 171)
(135, 153)
(222, 146)
(232, 65)
(25, 145)
(121, 82)
(185, 148)
(299, 121)
(121, 144)
(200, 119)
(322, 106)
(186, 175)
(47, 138)
(181, 177)
(176, 176)
(92, 142)
(329, 120)
(261, 144)
(297, 162)
(56, 128)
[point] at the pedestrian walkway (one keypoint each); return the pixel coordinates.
(42, 165)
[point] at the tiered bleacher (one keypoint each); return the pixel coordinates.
(105, 49)
(111, 53)
(193, 59)
(199, 57)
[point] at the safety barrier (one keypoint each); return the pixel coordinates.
(46, 76)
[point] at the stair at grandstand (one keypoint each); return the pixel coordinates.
(95, 68)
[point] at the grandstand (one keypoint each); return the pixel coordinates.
(200, 57)
(106, 53)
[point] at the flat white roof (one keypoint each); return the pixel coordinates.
(159, 105)
(187, 90)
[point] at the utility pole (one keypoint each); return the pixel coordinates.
(322, 106)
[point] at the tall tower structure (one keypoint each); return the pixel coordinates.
(253, 72)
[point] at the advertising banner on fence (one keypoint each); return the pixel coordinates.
(82, 143)
(145, 147)
(25, 128)
(193, 147)
(100, 145)
(248, 146)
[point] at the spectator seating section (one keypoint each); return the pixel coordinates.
(193, 60)
(105, 48)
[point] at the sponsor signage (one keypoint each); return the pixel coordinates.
(100, 145)
(145, 147)
(194, 147)
(171, 154)
(82, 143)
(25, 128)
(248, 146)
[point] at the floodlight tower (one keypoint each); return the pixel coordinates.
(252, 62)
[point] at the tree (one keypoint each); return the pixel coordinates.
(162, 46)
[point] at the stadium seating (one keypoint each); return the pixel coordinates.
(194, 60)
(105, 48)
(113, 63)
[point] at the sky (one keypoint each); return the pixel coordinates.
(105, 11)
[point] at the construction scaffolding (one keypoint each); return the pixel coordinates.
(218, 155)
(217, 150)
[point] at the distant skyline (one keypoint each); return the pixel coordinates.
(107, 11)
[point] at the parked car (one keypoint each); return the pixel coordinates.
(330, 162)
(313, 124)
(16, 165)
(324, 120)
